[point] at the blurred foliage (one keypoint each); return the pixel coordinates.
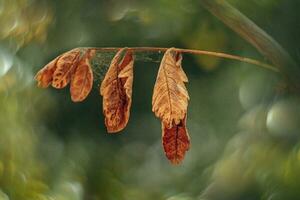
(244, 131)
(23, 21)
(208, 37)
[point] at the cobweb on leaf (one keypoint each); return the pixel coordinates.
(101, 61)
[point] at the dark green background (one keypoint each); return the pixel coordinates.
(244, 128)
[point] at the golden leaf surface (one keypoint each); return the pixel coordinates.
(82, 80)
(169, 103)
(116, 89)
(65, 67)
(170, 96)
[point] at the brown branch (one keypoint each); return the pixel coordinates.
(197, 52)
(248, 30)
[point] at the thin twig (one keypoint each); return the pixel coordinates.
(197, 52)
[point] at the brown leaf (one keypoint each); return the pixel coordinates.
(82, 79)
(176, 141)
(116, 89)
(65, 67)
(170, 96)
(71, 66)
(45, 76)
(169, 103)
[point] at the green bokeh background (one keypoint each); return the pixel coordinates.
(244, 127)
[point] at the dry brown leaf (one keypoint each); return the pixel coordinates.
(116, 89)
(65, 67)
(45, 76)
(71, 66)
(170, 96)
(176, 141)
(169, 103)
(82, 79)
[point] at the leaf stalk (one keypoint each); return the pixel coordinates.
(196, 52)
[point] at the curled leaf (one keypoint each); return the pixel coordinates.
(82, 79)
(116, 89)
(169, 103)
(170, 96)
(65, 66)
(71, 66)
(176, 141)
(45, 76)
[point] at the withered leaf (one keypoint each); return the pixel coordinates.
(73, 66)
(170, 96)
(65, 67)
(45, 76)
(169, 103)
(116, 89)
(82, 79)
(176, 141)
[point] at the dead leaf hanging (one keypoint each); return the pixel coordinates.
(176, 141)
(170, 96)
(71, 66)
(45, 76)
(82, 79)
(169, 103)
(116, 89)
(65, 66)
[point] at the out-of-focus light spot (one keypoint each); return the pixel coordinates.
(69, 190)
(120, 13)
(75, 187)
(6, 62)
(121, 10)
(231, 171)
(180, 197)
(24, 21)
(284, 118)
(237, 142)
(256, 89)
(275, 196)
(3, 196)
(254, 119)
(9, 26)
